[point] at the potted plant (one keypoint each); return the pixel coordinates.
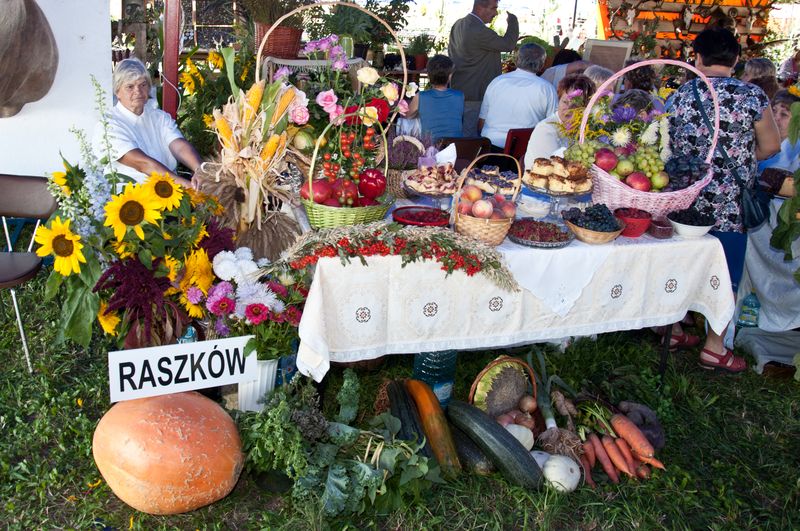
(284, 41)
(352, 26)
(268, 308)
(418, 48)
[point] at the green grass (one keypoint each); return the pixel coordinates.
(732, 455)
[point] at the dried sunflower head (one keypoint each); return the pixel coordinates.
(500, 388)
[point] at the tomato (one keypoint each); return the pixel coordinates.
(326, 156)
(345, 190)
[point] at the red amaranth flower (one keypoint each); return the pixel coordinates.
(219, 239)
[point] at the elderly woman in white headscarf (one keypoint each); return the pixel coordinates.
(142, 139)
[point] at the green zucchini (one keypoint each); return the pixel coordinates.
(505, 452)
(472, 458)
(402, 406)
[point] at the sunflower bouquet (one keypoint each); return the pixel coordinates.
(129, 255)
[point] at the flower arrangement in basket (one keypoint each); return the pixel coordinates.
(487, 219)
(627, 146)
(349, 124)
(251, 177)
(240, 302)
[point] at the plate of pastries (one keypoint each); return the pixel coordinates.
(492, 181)
(556, 176)
(432, 180)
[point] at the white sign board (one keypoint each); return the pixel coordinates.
(154, 371)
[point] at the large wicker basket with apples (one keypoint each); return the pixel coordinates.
(481, 216)
(615, 193)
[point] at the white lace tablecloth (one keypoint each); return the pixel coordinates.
(356, 312)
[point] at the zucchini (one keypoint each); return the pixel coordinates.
(472, 458)
(402, 407)
(434, 423)
(507, 454)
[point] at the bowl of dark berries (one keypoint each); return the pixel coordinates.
(595, 225)
(535, 233)
(660, 228)
(690, 223)
(636, 221)
(421, 216)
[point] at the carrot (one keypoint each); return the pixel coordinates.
(587, 473)
(588, 451)
(643, 471)
(652, 461)
(626, 429)
(616, 456)
(602, 456)
(625, 450)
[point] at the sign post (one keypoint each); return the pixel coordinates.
(154, 371)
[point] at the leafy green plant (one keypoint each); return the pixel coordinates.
(788, 227)
(268, 11)
(420, 44)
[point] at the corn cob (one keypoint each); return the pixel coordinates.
(252, 102)
(224, 130)
(270, 147)
(282, 143)
(286, 99)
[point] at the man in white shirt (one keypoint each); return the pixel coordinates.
(517, 100)
(141, 138)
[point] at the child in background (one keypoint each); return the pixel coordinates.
(440, 108)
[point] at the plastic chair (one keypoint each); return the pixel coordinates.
(517, 142)
(467, 149)
(23, 197)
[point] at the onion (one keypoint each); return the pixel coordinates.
(514, 413)
(525, 420)
(505, 419)
(527, 404)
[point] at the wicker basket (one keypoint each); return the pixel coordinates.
(615, 194)
(283, 42)
(489, 231)
(322, 216)
(593, 236)
(394, 177)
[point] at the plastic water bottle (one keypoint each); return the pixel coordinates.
(189, 336)
(751, 307)
(438, 370)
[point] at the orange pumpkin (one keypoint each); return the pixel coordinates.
(168, 454)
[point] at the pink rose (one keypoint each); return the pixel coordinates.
(402, 107)
(335, 114)
(327, 100)
(299, 115)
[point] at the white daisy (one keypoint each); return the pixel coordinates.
(621, 137)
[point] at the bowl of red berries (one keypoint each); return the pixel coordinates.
(421, 216)
(636, 221)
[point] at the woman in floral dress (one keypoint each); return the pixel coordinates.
(747, 133)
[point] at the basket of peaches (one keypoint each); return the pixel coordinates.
(483, 211)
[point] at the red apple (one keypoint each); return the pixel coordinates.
(482, 209)
(465, 207)
(509, 209)
(331, 202)
(605, 159)
(499, 199)
(321, 189)
(638, 181)
(367, 201)
(471, 193)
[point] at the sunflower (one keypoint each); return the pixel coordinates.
(60, 178)
(131, 209)
(172, 267)
(195, 311)
(215, 59)
(198, 271)
(108, 320)
(64, 244)
(202, 233)
(166, 191)
(187, 81)
(208, 120)
(122, 249)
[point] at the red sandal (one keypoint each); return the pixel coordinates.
(726, 362)
(682, 341)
